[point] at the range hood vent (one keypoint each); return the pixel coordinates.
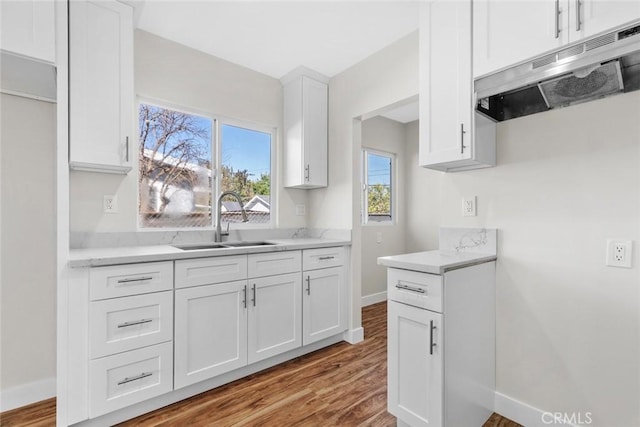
(591, 69)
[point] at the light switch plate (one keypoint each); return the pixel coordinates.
(469, 206)
(300, 210)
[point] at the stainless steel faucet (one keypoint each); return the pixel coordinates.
(219, 233)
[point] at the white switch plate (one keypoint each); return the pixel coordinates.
(110, 204)
(300, 210)
(619, 253)
(379, 237)
(469, 206)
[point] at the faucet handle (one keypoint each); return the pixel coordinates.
(226, 233)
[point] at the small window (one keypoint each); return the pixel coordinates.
(175, 168)
(377, 186)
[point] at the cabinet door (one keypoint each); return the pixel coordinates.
(101, 86)
(274, 315)
(28, 28)
(323, 304)
(415, 387)
(508, 32)
(589, 17)
(445, 81)
(314, 112)
(210, 331)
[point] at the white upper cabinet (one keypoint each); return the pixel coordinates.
(508, 32)
(28, 28)
(305, 130)
(101, 98)
(447, 138)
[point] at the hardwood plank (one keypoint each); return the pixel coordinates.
(342, 385)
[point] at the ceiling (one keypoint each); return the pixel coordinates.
(274, 37)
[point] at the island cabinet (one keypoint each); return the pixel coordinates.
(324, 303)
(452, 137)
(101, 94)
(441, 346)
(540, 25)
(28, 28)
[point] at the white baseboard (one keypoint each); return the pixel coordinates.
(527, 415)
(354, 336)
(374, 298)
(27, 394)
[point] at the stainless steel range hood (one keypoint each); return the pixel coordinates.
(590, 69)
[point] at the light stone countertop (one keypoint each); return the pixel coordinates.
(435, 262)
(93, 257)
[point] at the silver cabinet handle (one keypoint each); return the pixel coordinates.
(462, 132)
(244, 300)
(306, 172)
(136, 378)
(137, 322)
(557, 18)
(308, 285)
(410, 288)
(126, 152)
(431, 343)
(254, 295)
(324, 258)
(135, 279)
(578, 22)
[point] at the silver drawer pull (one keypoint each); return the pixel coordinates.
(324, 258)
(136, 378)
(135, 279)
(137, 322)
(410, 288)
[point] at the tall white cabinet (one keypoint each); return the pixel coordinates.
(101, 94)
(452, 137)
(305, 129)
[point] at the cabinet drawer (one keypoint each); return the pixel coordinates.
(130, 279)
(413, 288)
(123, 324)
(269, 264)
(127, 378)
(322, 258)
(205, 271)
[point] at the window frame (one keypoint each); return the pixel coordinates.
(216, 162)
(364, 185)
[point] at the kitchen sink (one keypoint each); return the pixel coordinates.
(202, 246)
(246, 244)
(225, 245)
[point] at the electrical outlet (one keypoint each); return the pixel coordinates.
(469, 206)
(300, 210)
(619, 253)
(110, 204)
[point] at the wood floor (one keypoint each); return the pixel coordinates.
(342, 385)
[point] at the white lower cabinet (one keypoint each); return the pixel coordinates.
(275, 316)
(126, 378)
(415, 367)
(323, 304)
(210, 331)
(441, 346)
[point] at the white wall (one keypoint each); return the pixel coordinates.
(568, 328)
(172, 73)
(386, 77)
(28, 271)
(386, 135)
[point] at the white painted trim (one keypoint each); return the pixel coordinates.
(374, 298)
(523, 413)
(27, 394)
(354, 336)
